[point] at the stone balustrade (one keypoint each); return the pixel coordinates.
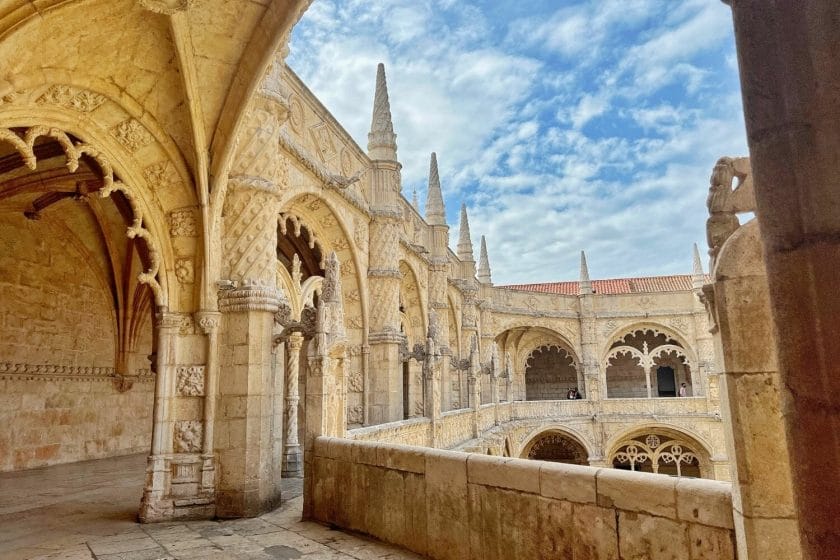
(446, 504)
(459, 426)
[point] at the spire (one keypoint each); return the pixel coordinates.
(484, 264)
(414, 201)
(435, 211)
(585, 283)
(465, 247)
(698, 277)
(382, 142)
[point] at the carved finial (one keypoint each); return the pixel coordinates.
(465, 247)
(382, 142)
(435, 211)
(414, 201)
(698, 277)
(484, 264)
(585, 282)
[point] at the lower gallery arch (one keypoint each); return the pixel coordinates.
(661, 450)
(557, 446)
(78, 331)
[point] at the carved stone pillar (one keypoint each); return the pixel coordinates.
(326, 394)
(209, 322)
(155, 504)
(384, 282)
(291, 445)
(790, 77)
(249, 474)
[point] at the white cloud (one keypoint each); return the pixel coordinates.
(592, 126)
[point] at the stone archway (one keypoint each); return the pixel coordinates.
(83, 277)
(647, 362)
(556, 446)
(661, 450)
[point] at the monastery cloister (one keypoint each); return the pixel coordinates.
(200, 264)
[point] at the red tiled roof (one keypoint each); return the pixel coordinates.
(647, 284)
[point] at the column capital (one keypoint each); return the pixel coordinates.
(208, 321)
(250, 297)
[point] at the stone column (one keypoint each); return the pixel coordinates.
(209, 323)
(154, 506)
(648, 371)
(385, 337)
(249, 473)
(291, 445)
(765, 519)
(589, 350)
(790, 77)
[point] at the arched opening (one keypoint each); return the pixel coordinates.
(78, 347)
(661, 451)
(646, 363)
(551, 374)
(557, 447)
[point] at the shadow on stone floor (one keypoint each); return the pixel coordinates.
(86, 511)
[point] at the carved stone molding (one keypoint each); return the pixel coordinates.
(51, 372)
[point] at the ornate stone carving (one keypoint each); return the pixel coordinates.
(187, 436)
(71, 97)
(725, 202)
(190, 381)
(161, 176)
(183, 222)
(346, 162)
(296, 114)
(355, 414)
(184, 270)
(131, 134)
(355, 381)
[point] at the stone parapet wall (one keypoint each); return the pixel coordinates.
(415, 431)
(62, 420)
(447, 504)
(455, 427)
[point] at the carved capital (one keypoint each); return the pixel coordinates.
(208, 321)
(250, 297)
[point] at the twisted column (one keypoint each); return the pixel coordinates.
(291, 446)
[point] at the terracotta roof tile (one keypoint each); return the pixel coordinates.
(642, 285)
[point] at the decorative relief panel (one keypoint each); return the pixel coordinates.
(296, 114)
(185, 270)
(71, 97)
(355, 414)
(322, 141)
(131, 134)
(355, 381)
(188, 436)
(190, 381)
(161, 176)
(183, 223)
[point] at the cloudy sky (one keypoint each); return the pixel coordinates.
(564, 125)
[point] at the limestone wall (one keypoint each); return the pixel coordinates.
(408, 432)
(62, 420)
(446, 504)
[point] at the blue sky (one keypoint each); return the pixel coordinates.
(563, 125)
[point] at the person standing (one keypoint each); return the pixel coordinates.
(683, 390)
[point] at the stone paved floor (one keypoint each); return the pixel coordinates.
(88, 510)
